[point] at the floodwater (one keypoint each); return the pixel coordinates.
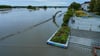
(86, 23)
(24, 32)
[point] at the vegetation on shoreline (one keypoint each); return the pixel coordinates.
(5, 6)
(31, 7)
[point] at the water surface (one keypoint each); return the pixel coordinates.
(25, 32)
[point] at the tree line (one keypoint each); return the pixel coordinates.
(95, 6)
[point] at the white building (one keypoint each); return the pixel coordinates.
(85, 6)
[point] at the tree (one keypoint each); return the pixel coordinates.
(95, 6)
(29, 7)
(98, 7)
(75, 6)
(92, 5)
(5, 6)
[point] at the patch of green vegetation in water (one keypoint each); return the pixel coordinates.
(62, 35)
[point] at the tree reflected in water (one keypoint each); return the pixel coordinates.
(33, 9)
(5, 10)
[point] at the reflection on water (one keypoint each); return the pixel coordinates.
(8, 10)
(36, 21)
(36, 9)
(45, 8)
(33, 9)
(4, 11)
(22, 31)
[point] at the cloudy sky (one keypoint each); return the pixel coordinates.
(40, 2)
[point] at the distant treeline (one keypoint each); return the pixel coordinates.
(40, 6)
(30, 6)
(5, 6)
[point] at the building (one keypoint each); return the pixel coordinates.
(85, 6)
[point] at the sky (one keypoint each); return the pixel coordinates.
(40, 2)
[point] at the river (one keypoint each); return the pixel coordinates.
(24, 32)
